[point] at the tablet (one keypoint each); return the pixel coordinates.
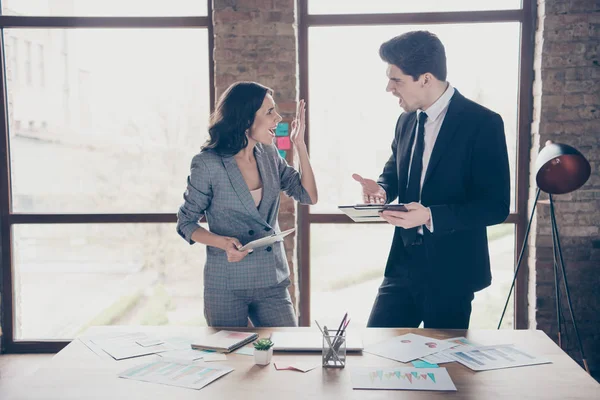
(369, 212)
(395, 207)
(267, 240)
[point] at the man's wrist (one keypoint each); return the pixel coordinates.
(383, 194)
(428, 222)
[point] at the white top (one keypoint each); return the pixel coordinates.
(257, 196)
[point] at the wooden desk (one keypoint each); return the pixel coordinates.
(78, 373)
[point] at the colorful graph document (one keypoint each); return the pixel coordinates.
(460, 343)
(402, 379)
(485, 358)
(187, 375)
(408, 347)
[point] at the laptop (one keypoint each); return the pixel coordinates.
(311, 341)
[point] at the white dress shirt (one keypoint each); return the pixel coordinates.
(435, 116)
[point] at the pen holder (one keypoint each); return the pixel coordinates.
(334, 349)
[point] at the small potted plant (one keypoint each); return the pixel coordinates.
(263, 351)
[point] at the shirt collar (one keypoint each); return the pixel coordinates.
(434, 111)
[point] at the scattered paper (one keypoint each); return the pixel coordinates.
(423, 364)
(123, 346)
(485, 358)
(297, 366)
(406, 348)
(193, 376)
(184, 354)
(402, 379)
(179, 342)
(246, 351)
(214, 357)
(149, 342)
(460, 343)
(95, 348)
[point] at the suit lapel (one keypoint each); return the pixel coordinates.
(268, 177)
(405, 147)
(447, 132)
(240, 187)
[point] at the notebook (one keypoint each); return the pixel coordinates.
(310, 341)
(225, 341)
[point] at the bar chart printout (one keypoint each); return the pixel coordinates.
(402, 379)
(187, 375)
(484, 358)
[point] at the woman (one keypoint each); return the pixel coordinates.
(235, 182)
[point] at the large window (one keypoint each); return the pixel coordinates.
(104, 115)
(129, 126)
(105, 8)
(69, 277)
(351, 127)
(350, 111)
(395, 6)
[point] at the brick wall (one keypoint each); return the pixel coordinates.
(256, 40)
(567, 110)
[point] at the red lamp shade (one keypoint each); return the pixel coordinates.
(561, 169)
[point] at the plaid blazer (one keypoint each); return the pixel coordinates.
(216, 189)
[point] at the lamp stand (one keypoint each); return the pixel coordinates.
(559, 269)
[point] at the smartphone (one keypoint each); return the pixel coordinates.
(395, 207)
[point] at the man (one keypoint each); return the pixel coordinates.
(449, 165)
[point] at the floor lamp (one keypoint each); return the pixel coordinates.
(560, 169)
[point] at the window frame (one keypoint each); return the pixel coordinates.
(8, 218)
(526, 16)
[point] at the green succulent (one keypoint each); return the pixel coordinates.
(263, 344)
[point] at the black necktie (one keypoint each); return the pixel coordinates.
(413, 191)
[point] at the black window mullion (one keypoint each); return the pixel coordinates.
(450, 17)
(11, 21)
(91, 218)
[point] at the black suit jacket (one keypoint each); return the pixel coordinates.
(466, 186)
